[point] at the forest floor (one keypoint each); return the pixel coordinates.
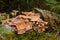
(53, 33)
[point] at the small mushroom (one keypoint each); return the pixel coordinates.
(14, 12)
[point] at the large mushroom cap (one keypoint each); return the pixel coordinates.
(20, 25)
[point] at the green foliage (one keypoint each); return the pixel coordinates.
(23, 5)
(34, 35)
(6, 34)
(28, 5)
(54, 5)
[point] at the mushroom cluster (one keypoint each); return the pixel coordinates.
(23, 23)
